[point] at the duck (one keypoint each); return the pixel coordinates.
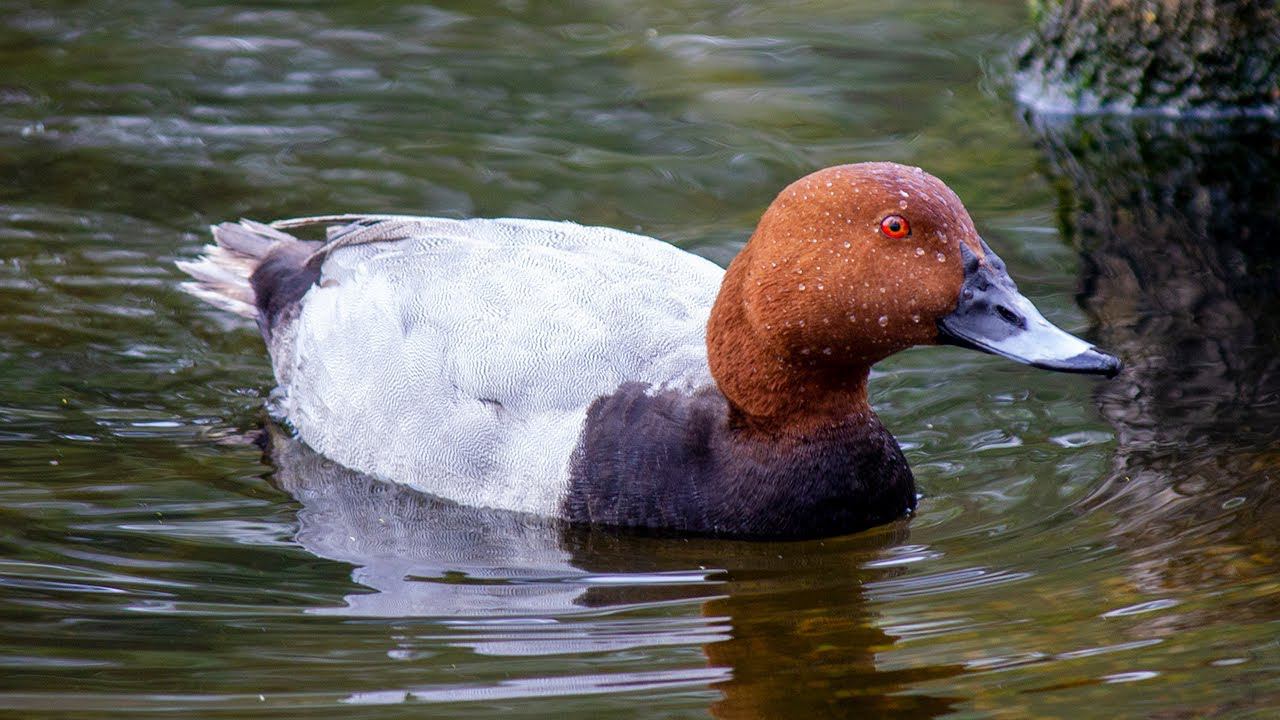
(595, 376)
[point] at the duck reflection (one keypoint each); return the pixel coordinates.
(1178, 223)
(782, 629)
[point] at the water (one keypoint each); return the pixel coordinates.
(1084, 548)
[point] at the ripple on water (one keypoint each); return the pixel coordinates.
(154, 565)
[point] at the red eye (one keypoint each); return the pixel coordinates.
(895, 226)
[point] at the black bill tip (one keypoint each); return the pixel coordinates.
(1090, 362)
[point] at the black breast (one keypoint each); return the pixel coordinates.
(670, 461)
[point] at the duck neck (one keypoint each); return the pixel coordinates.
(770, 390)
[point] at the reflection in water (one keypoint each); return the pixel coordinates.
(146, 571)
(781, 629)
(1179, 223)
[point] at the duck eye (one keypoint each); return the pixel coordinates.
(895, 226)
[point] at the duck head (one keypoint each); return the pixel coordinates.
(854, 263)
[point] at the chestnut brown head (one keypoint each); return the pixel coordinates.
(854, 263)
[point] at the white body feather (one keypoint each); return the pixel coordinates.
(461, 359)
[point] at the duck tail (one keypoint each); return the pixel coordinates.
(222, 276)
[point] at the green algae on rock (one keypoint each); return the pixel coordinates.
(1176, 57)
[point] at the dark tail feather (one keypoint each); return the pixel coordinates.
(223, 275)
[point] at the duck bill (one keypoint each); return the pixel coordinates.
(993, 317)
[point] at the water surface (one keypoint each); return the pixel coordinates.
(1083, 549)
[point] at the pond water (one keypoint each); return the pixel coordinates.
(1084, 548)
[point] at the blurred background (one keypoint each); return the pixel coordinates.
(1084, 548)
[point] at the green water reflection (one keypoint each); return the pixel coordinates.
(1083, 549)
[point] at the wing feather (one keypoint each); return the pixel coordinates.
(459, 357)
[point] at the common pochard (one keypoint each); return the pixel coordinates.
(604, 377)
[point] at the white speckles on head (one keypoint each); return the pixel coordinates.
(884, 291)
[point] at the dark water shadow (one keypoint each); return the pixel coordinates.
(783, 628)
(1178, 226)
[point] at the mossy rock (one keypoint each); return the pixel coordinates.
(1176, 57)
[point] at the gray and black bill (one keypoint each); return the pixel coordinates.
(992, 316)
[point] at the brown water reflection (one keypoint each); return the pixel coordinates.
(1177, 223)
(146, 567)
(783, 629)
